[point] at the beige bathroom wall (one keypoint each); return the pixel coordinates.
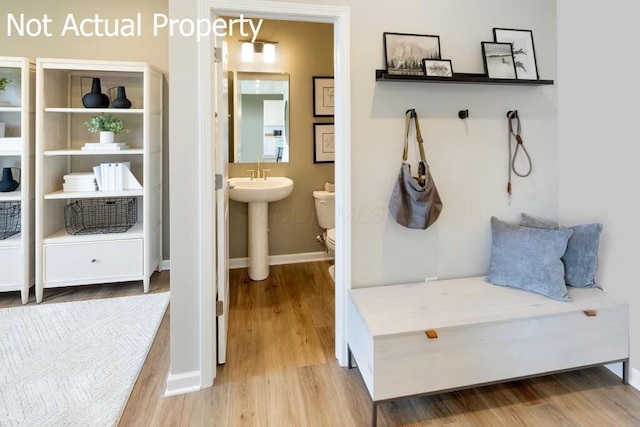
(304, 50)
(145, 47)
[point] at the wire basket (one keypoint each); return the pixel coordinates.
(9, 219)
(100, 216)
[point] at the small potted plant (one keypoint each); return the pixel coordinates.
(108, 125)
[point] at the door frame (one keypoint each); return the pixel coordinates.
(339, 16)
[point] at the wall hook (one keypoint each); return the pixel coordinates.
(413, 112)
(512, 114)
(463, 114)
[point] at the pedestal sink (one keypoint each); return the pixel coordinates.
(258, 192)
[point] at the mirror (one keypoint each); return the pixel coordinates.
(259, 117)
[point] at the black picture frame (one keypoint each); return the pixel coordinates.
(437, 67)
(498, 60)
(403, 52)
(524, 52)
(324, 143)
(323, 96)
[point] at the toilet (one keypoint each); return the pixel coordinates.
(325, 202)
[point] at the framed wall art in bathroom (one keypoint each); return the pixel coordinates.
(323, 143)
(323, 97)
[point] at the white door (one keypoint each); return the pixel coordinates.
(221, 138)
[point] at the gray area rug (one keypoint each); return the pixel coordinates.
(74, 363)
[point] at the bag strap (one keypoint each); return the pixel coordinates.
(422, 167)
(411, 114)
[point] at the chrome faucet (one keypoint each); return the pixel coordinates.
(258, 171)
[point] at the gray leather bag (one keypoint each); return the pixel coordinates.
(415, 201)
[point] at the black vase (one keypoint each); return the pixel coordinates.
(95, 98)
(7, 183)
(121, 100)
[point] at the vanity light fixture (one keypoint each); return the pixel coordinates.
(259, 48)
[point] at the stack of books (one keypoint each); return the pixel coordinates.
(101, 146)
(80, 181)
(115, 176)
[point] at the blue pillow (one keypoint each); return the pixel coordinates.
(528, 258)
(581, 258)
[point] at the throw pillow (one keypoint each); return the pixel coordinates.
(528, 258)
(581, 258)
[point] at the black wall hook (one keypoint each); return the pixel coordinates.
(412, 111)
(463, 114)
(513, 114)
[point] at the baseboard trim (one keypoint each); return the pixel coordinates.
(634, 374)
(184, 383)
(283, 259)
(166, 264)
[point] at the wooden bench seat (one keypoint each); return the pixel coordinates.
(446, 335)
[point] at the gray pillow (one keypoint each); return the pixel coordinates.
(528, 258)
(581, 258)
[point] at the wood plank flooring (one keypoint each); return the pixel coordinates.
(281, 371)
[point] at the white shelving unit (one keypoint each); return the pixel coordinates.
(69, 260)
(17, 110)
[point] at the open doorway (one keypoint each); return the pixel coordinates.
(339, 17)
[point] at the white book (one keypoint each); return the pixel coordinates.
(106, 145)
(98, 177)
(119, 175)
(104, 178)
(78, 175)
(130, 181)
(104, 148)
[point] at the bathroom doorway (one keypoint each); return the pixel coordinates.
(339, 17)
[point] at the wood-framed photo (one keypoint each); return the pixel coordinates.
(498, 60)
(403, 53)
(437, 67)
(524, 54)
(324, 147)
(323, 96)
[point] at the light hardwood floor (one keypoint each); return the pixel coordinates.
(281, 371)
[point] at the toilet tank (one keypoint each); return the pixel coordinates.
(325, 208)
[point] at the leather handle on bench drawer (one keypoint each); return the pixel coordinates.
(431, 334)
(590, 313)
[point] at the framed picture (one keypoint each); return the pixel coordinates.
(524, 54)
(498, 60)
(323, 99)
(403, 53)
(324, 147)
(437, 67)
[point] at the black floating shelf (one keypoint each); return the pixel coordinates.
(383, 76)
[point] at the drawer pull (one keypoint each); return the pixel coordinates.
(93, 260)
(431, 334)
(590, 313)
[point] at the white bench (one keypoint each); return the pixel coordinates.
(435, 337)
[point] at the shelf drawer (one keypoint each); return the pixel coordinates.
(94, 261)
(10, 265)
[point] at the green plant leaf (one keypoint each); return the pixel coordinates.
(106, 122)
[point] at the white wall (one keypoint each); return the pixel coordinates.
(468, 159)
(598, 141)
(183, 163)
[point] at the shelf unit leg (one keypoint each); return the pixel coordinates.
(145, 284)
(625, 372)
(39, 292)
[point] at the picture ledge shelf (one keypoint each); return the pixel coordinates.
(383, 76)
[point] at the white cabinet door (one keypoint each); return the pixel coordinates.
(273, 113)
